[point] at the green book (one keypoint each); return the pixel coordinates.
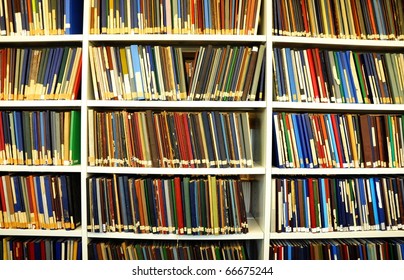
(75, 139)
(187, 203)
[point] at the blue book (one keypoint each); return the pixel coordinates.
(341, 204)
(26, 61)
(53, 70)
(49, 202)
(93, 182)
(17, 202)
(122, 203)
(134, 50)
(19, 136)
(351, 71)
(235, 141)
(374, 201)
(152, 60)
(344, 56)
(306, 139)
(306, 206)
(65, 202)
(278, 66)
(291, 75)
(74, 16)
(125, 181)
(151, 202)
(331, 138)
(207, 16)
(323, 203)
(135, 206)
(379, 201)
(226, 139)
(310, 138)
(340, 73)
(299, 145)
(58, 249)
(48, 66)
(361, 191)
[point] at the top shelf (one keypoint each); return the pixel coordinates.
(170, 38)
(335, 43)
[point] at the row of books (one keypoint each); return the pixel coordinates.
(179, 205)
(311, 140)
(170, 139)
(329, 76)
(40, 137)
(39, 202)
(139, 72)
(359, 19)
(41, 17)
(40, 73)
(337, 249)
(25, 248)
(166, 250)
(239, 17)
(338, 204)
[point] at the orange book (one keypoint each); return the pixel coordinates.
(32, 202)
(141, 202)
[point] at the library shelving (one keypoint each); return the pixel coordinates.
(331, 60)
(369, 35)
(243, 35)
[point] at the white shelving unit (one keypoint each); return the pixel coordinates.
(260, 216)
(299, 107)
(258, 219)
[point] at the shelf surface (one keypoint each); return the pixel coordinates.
(40, 168)
(172, 38)
(40, 232)
(40, 103)
(337, 171)
(177, 171)
(255, 232)
(337, 235)
(334, 107)
(42, 38)
(178, 104)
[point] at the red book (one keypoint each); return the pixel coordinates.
(178, 205)
(304, 13)
(77, 81)
(322, 159)
(33, 209)
(313, 75)
(3, 208)
(311, 202)
(43, 249)
(160, 195)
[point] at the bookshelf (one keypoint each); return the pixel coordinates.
(262, 214)
(333, 35)
(257, 239)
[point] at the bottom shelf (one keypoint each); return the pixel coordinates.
(171, 250)
(338, 249)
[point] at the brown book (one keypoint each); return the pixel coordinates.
(250, 73)
(364, 121)
(152, 137)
